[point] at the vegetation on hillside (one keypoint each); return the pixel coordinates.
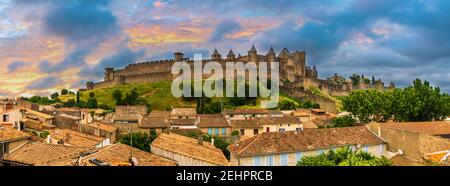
(140, 140)
(344, 157)
(418, 102)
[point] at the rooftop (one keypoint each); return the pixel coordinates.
(76, 138)
(286, 142)
(433, 128)
(8, 134)
(154, 122)
(205, 122)
(39, 114)
(278, 120)
(127, 117)
(159, 114)
(246, 111)
(43, 154)
(119, 154)
(189, 147)
(184, 112)
(185, 122)
(249, 123)
(103, 126)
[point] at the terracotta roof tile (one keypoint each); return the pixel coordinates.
(43, 154)
(159, 114)
(11, 134)
(183, 112)
(246, 111)
(433, 128)
(213, 122)
(103, 126)
(118, 154)
(155, 122)
(76, 138)
(189, 147)
(249, 123)
(284, 142)
(185, 122)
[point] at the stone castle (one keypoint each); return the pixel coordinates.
(294, 73)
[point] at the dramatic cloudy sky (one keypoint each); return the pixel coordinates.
(47, 45)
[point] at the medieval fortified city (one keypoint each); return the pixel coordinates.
(233, 84)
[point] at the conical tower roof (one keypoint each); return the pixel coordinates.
(271, 51)
(285, 51)
(231, 53)
(216, 52)
(253, 49)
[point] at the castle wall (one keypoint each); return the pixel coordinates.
(104, 84)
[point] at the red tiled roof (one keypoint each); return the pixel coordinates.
(285, 142)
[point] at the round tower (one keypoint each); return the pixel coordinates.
(216, 55)
(253, 54)
(109, 74)
(178, 56)
(271, 56)
(231, 56)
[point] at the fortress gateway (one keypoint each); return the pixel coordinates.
(293, 72)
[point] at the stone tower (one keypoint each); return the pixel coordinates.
(271, 55)
(314, 72)
(109, 74)
(231, 56)
(216, 55)
(179, 56)
(300, 62)
(253, 54)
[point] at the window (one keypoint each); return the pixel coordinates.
(289, 125)
(224, 131)
(267, 129)
(242, 132)
(216, 131)
(257, 161)
(255, 131)
(282, 130)
(298, 129)
(319, 152)
(366, 149)
(180, 117)
(210, 131)
(284, 160)
(298, 156)
(381, 149)
(269, 160)
(5, 118)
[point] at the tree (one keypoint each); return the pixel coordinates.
(345, 121)
(130, 98)
(54, 95)
(286, 105)
(141, 140)
(78, 97)
(419, 102)
(117, 96)
(64, 91)
(344, 157)
(92, 101)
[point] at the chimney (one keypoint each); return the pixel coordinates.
(67, 137)
(98, 129)
(212, 141)
(200, 140)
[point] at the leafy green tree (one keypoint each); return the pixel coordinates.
(117, 96)
(92, 101)
(286, 105)
(130, 98)
(344, 157)
(345, 121)
(140, 140)
(64, 92)
(70, 103)
(54, 95)
(78, 97)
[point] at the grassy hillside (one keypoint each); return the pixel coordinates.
(157, 94)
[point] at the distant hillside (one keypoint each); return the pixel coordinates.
(157, 94)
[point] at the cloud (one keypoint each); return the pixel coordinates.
(45, 83)
(75, 59)
(223, 28)
(15, 65)
(120, 59)
(81, 20)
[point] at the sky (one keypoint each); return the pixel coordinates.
(48, 45)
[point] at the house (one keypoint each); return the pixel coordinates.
(98, 128)
(187, 151)
(280, 124)
(214, 126)
(139, 109)
(245, 113)
(126, 122)
(11, 117)
(304, 115)
(44, 154)
(275, 113)
(119, 155)
(159, 114)
(185, 123)
(247, 128)
(64, 118)
(75, 138)
(11, 139)
(439, 157)
(159, 124)
(36, 121)
(286, 148)
(414, 139)
(183, 113)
